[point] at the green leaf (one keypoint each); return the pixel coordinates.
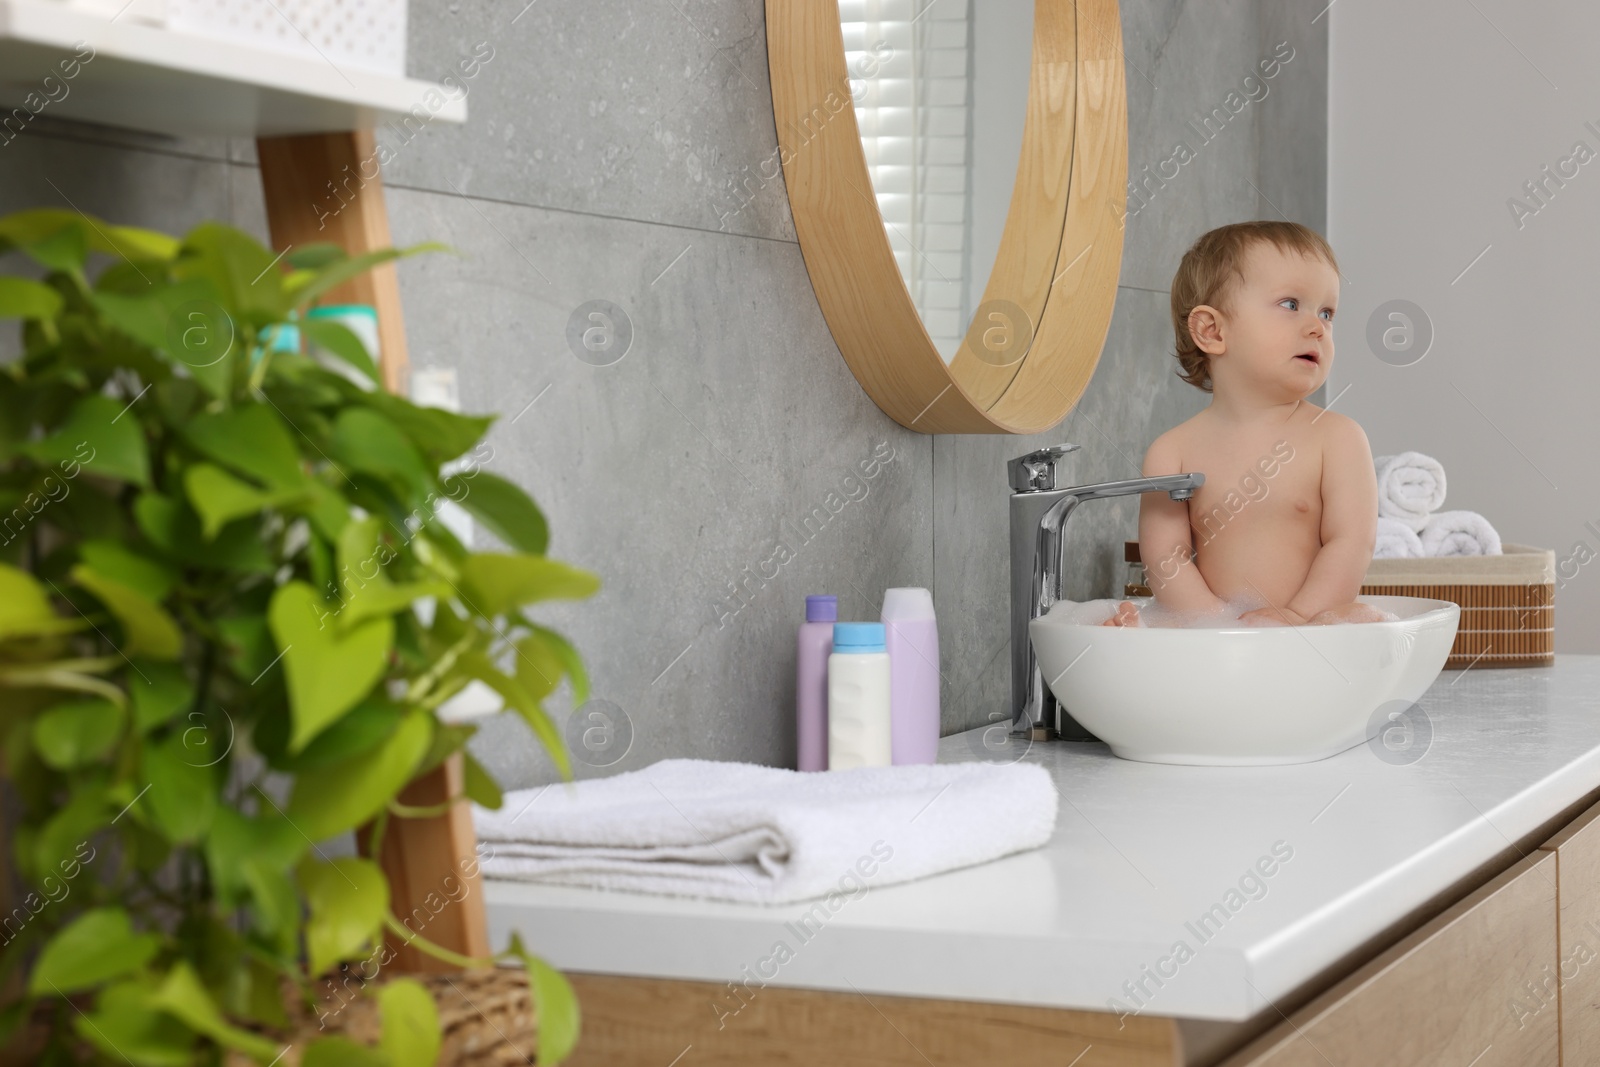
(439, 434)
(96, 946)
(183, 790)
(448, 739)
(54, 237)
(411, 1035)
(25, 228)
(63, 841)
(132, 242)
(328, 670)
(146, 627)
(23, 298)
(102, 437)
(183, 321)
(503, 508)
(328, 801)
(237, 266)
(539, 668)
(555, 1006)
(348, 899)
(518, 699)
(479, 784)
(171, 526)
(327, 509)
(24, 608)
(248, 645)
(336, 1051)
(182, 995)
(380, 600)
(253, 440)
(127, 1027)
(359, 730)
(366, 589)
(236, 842)
(365, 441)
(494, 583)
(161, 692)
(139, 572)
(315, 256)
(338, 272)
(71, 735)
(342, 342)
(219, 498)
(571, 662)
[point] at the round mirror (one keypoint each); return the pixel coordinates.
(956, 173)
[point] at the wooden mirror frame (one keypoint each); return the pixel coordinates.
(1060, 253)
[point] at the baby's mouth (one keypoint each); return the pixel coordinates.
(1310, 356)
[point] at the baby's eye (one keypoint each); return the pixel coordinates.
(1327, 313)
(1295, 304)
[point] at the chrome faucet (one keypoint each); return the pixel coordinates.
(1039, 513)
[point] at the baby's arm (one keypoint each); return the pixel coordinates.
(1349, 521)
(1166, 544)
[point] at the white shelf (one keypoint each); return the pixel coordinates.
(181, 84)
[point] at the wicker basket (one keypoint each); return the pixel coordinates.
(1507, 601)
(485, 1018)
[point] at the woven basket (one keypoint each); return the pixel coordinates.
(485, 1017)
(1507, 601)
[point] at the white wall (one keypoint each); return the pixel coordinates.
(1439, 112)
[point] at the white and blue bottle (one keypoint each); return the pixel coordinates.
(858, 697)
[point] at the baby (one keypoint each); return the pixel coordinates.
(1288, 515)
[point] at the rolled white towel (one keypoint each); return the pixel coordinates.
(1459, 533)
(1396, 540)
(766, 835)
(1410, 486)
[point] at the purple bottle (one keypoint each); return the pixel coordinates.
(912, 637)
(811, 682)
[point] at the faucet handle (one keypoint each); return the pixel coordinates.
(1037, 470)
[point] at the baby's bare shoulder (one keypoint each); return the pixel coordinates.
(1167, 453)
(1336, 429)
(1341, 443)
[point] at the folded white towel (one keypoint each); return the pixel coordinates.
(742, 832)
(1459, 533)
(1396, 540)
(1410, 486)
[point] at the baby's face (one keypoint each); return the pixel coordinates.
(1280, 315)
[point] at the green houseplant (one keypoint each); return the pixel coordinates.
(229, 613)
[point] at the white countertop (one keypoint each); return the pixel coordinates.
(1140, 852)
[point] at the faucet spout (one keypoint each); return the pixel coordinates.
(1039, 514)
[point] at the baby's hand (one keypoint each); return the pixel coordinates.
(1270, 616)
(1127, 614)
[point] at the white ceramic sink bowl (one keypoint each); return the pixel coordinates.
(1231, 696)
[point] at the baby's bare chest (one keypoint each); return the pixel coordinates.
(1274, 480)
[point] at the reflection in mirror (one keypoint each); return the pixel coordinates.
(941, 91)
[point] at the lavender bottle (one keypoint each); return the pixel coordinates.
(912, 636)
(811, 682)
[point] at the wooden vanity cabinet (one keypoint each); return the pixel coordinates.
(1576, 850)
(1476, 985)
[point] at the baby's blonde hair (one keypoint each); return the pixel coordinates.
(1210, 266)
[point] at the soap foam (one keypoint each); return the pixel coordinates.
(1154, 615)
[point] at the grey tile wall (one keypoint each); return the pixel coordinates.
(614, 153)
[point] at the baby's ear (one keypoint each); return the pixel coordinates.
(1206, 329)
